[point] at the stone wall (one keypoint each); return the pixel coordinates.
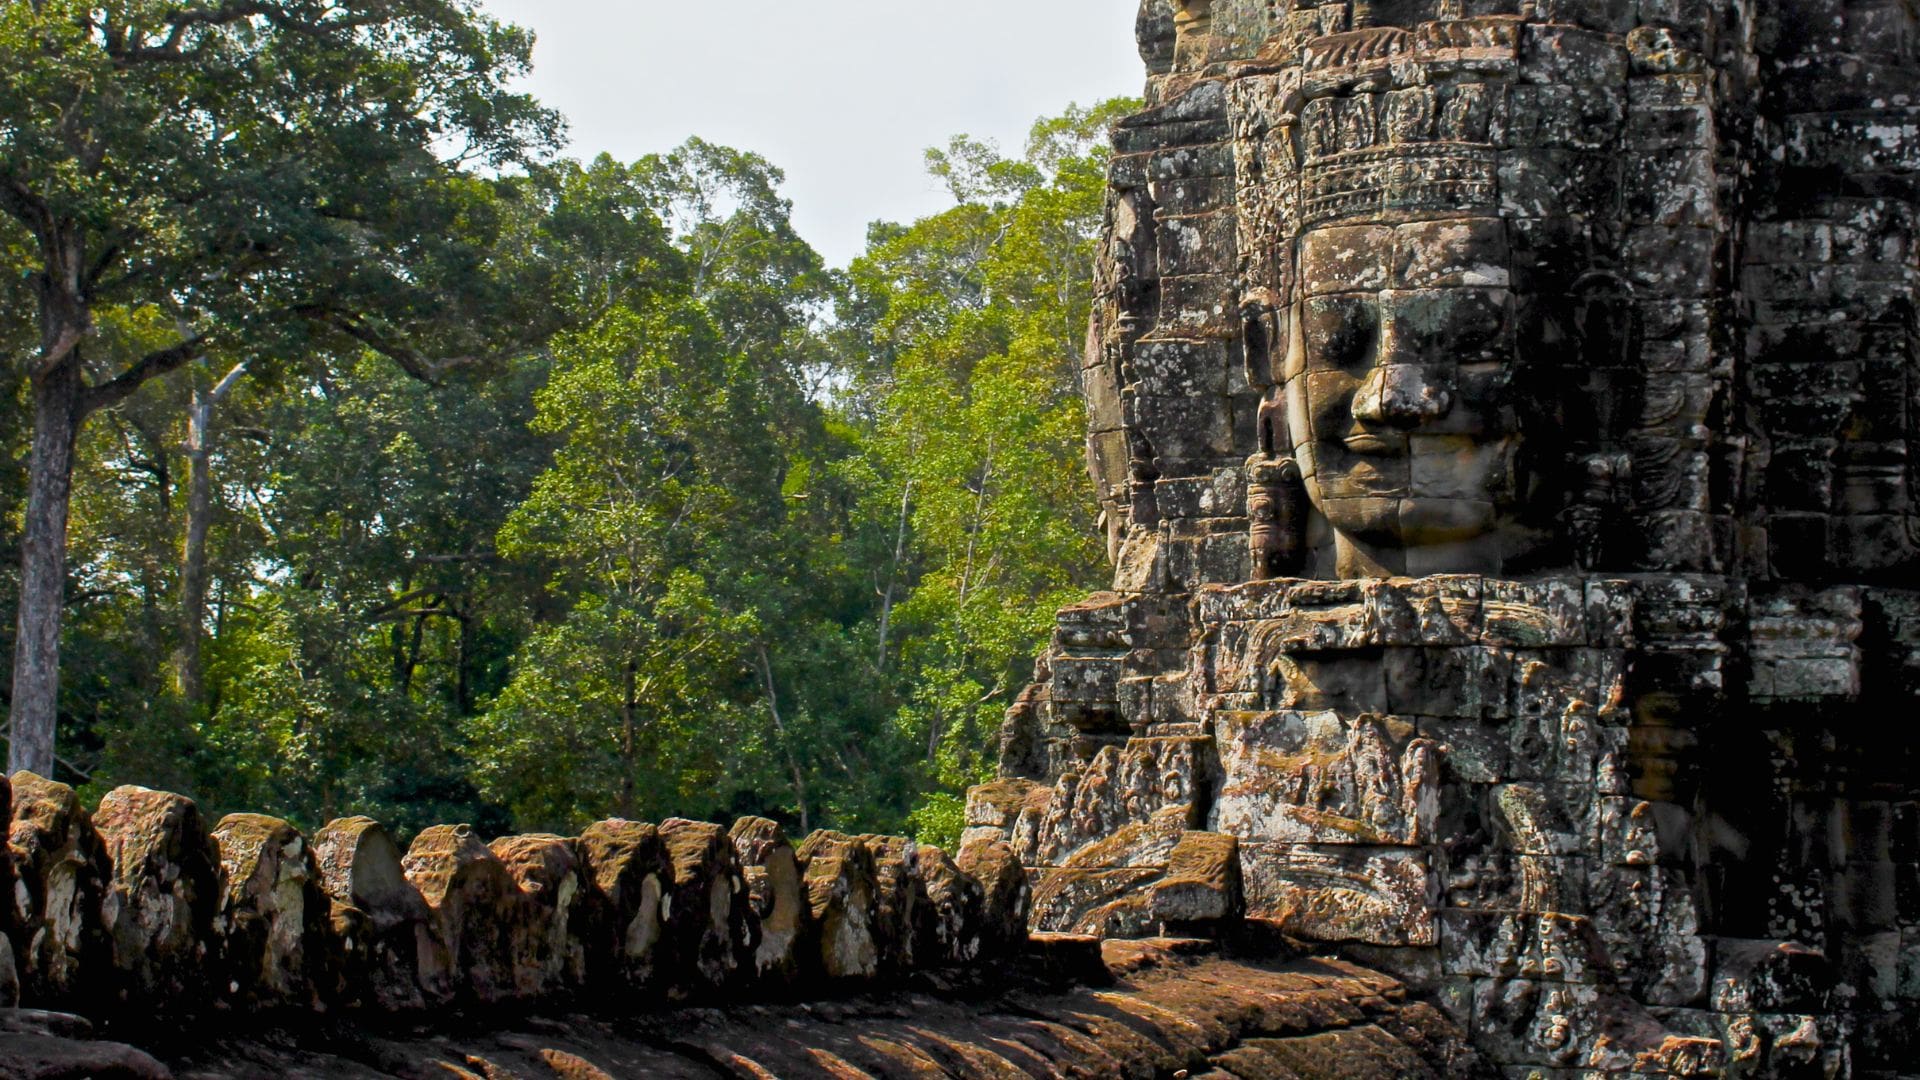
(1504, 414)
(142, 908)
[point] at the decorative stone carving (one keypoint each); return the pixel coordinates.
(1503, 413)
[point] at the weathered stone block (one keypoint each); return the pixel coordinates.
(389, 954)
(1531, 615)
(476, 910)
(1188, 434)
(273, 916)
(953, 930)
(777, 895)
(841, 901)
(1307, 778)
(1173, 368)
(1101, 902)
(1377, 896)
(1769, 976)
(1548, 183)
(706, 932)
(1141, 782)
(60, 875)
(1007, 893)
(1203, 887)
(158, 907)
(1344, 260)
(552, 941)
(900, 900)
(627, 876)
(1674, 259)
(1537, 1023)
(1199, 243)
(1472, 682)
(1547, 946)
(1203, 305)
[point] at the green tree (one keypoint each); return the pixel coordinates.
(368, 611)
(971, 323)
(690, 523)
(239, 170)
(607, 706)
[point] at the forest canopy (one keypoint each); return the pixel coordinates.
(421, 473)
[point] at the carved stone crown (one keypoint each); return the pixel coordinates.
(1399, 121)
(1411, 179)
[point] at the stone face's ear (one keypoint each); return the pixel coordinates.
(1263, 329)
(1193, 27)
(1294, 360)
(1153, 29)
(1275, 439)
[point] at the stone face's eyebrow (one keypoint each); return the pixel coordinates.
(1469, 251)
(1352, 258)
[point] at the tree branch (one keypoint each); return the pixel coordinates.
(6, 736)
(150, 366)
(63, 347)
(415, 613)
(21, 204)
(381, 611)
(411, 360)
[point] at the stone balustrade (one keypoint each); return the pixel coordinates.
(144, 904)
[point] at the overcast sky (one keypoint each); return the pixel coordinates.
(844, 96)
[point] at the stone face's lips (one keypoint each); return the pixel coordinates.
(1381, 445)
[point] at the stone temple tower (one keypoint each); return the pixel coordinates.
(1505, 414)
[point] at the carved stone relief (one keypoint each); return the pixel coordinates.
(1503, 414)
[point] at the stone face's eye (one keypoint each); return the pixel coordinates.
(1340, 332)
(1462, 326)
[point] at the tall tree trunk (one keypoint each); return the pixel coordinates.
(187, 667)
(462, 686)
(786, 742)
(193, 579)
(628, 723)
(58, 410)
(893, 573)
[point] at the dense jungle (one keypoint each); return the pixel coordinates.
(406, 467)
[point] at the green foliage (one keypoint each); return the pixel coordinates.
(634, 517)
(977, 316)
(736, 534)
(939, 820)
(234, 166)
(256, 182)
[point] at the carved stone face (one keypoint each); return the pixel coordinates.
(1399, 383)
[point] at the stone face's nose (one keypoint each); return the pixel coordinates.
(1401, 395)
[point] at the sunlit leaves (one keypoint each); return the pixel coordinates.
(976, 318)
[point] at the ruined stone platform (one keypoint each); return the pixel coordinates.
(1162, 1007)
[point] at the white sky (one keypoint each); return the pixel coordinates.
(842, 95)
